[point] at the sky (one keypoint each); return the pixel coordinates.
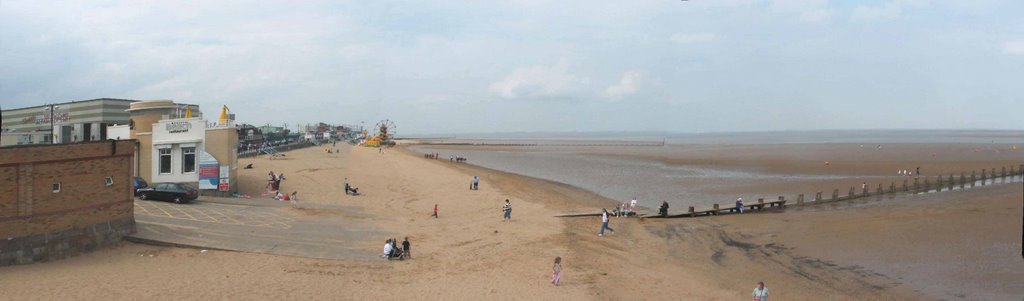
(448, 67)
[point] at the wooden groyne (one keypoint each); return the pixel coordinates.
(916, 185)
(541, 144)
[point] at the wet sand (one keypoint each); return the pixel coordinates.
(470, 254)
(701, 175)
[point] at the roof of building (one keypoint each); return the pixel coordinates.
(75, 101)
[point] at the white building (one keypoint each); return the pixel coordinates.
(177, 147)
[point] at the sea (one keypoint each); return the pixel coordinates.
(616, 172)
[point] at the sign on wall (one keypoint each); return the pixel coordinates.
(209, 171)
(178, 126)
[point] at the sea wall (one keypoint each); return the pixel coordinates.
(62, 200)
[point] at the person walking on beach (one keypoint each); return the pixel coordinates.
(476, 183)
(556, 274)
(507, 209)
(435, 212)
(760, 292)
(604, 222)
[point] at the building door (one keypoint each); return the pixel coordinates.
(103, 131)
(87, 132)
(65, 133)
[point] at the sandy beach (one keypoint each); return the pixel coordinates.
(963, 245)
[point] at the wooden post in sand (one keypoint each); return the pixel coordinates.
(760, 201)
(817, 197)
(963, 180)
(865, 190)
(927, 184)
(938, 182)
(1003, 171)
(905, 185)
(974, 178)
(800, 199)
(692, 212)
(892, 187)
(716, 209)
(951, 183)
(835, 195)
(983, 177)
(879, 188)
(849, 196)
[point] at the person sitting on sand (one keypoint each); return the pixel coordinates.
(349, 189)
(663, 210)
(388, 248)
(739, 205)
(760, 292)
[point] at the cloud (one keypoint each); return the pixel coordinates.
(538, 82)
(692, 38)
(630, 82)
(885, 11)
(1014, 47)
(809, 11)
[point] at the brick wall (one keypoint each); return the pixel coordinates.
(37, 223)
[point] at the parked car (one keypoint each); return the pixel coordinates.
(177, 192)
(139, 184)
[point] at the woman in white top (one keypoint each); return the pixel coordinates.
(760, 292)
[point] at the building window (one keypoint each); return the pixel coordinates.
(165, 161)
(188, 159)
(109, 181)
(56, 187)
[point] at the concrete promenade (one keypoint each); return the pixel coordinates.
(258, 226)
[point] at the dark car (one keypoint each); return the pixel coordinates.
(139, 184)
(179, 193)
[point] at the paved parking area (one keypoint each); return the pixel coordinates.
(259, 226)
(215, 213)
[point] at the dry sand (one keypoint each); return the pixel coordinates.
(470, 254)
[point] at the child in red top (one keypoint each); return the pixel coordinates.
(435, 211)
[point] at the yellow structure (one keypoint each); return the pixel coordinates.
(223, 116)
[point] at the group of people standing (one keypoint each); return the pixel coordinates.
(908, 173)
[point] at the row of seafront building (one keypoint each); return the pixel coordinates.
(172, 147)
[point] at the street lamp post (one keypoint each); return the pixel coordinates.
(53, 135)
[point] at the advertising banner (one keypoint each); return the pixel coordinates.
(209, 171)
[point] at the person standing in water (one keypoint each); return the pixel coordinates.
(556, 274)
